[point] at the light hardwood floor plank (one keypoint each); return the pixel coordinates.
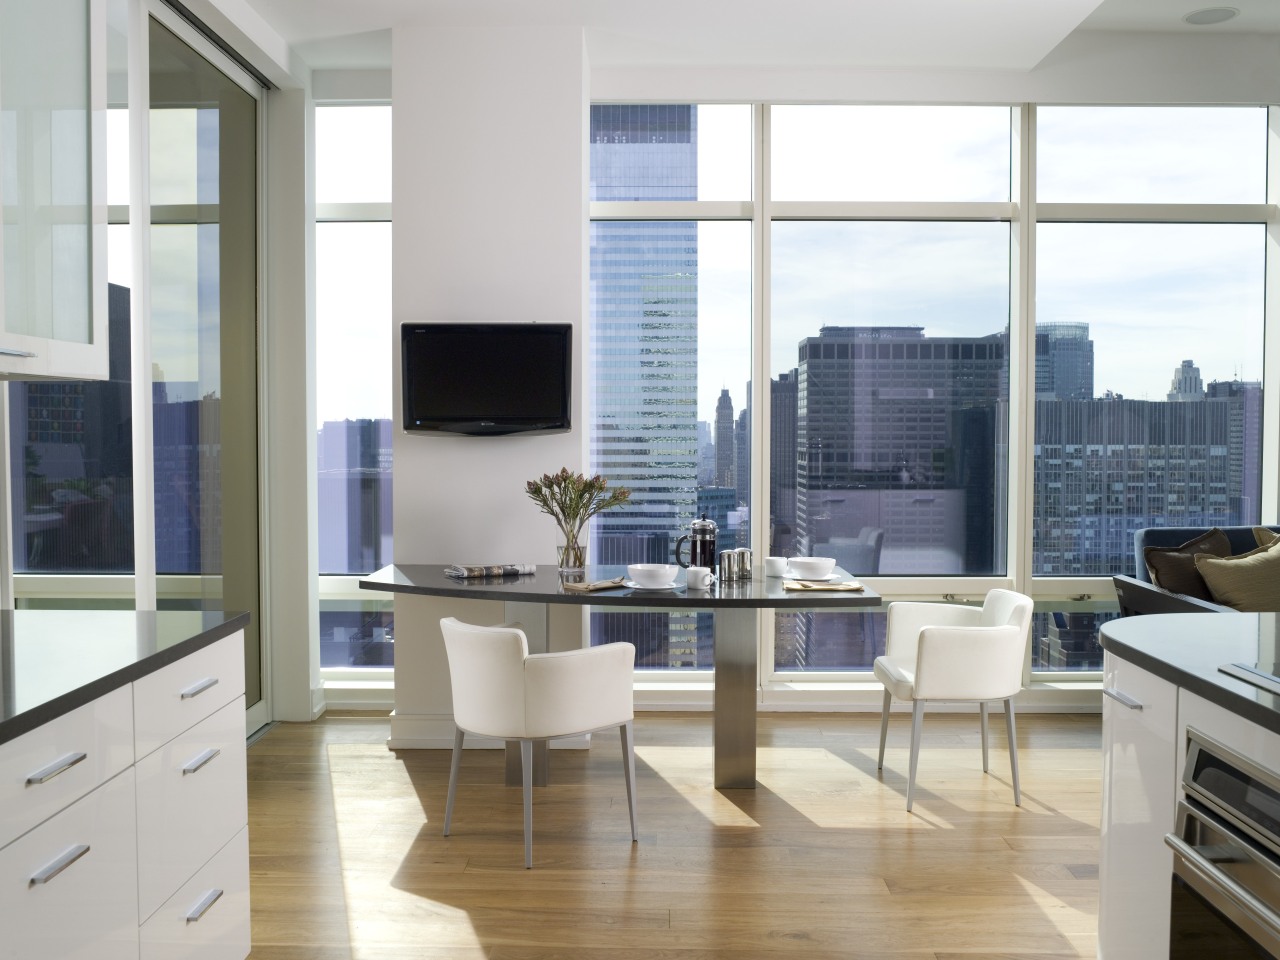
(822, 861)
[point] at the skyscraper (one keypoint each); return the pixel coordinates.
(1186, 385)
(724, 440)
(644, 302)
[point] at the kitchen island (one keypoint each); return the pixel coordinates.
(123, 803)
(1165, 674)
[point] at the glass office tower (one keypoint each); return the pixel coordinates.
(644, 361)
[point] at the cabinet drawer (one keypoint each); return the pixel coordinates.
(208, 918)
(89, 909)
(177, 697)
(40, 773)
(191, 800)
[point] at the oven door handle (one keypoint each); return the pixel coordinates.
(1240, 897)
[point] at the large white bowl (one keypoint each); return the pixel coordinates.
(652, 574)
(811, 568)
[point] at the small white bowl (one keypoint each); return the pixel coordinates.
(811, 568)
(652, 574)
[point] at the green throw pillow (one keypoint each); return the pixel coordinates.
(1249, 582)
(1174, 568)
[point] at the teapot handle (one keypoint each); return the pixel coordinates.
(679, 542)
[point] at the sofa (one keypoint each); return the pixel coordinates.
(1178, 546)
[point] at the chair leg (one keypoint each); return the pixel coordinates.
(526, 769)
(884, 727)
(629, 771)
(982, 710)
(917, 721)
(453, 778)
(1013, 750)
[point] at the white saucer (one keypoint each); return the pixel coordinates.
(635, 586)
(829, 576)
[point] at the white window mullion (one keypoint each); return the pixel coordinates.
(1271, 332)
(144, 528)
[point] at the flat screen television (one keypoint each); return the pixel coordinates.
(486, 379)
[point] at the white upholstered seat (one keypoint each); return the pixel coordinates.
(500, 690)
(953, 652)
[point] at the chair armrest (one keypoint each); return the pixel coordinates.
(1139, 597)
(576, 691)
(970, 663)
(908, 617)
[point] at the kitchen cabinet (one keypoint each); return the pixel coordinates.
(1139, 781)
(53, 289)
(124, 820)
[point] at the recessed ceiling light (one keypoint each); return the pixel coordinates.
(1201, 18)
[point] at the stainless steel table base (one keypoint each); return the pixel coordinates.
(735, 697)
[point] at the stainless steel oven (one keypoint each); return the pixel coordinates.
(1226, 857)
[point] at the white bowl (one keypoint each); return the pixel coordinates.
(652, 574)
(811, 568)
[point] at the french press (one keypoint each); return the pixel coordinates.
(702, 544)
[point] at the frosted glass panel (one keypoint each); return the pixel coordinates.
(45, 167)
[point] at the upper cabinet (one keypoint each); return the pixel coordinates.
(53, 309)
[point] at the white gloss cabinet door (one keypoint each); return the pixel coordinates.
(53, 765)
(208, 918)
(1139, 789)
(178, 696)
(191, 801)
(68, 888)
(53, 288)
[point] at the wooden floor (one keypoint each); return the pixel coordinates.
(821, 861)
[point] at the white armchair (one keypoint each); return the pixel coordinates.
(500, 690)
(950, 652)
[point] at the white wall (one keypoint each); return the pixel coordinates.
(489, 186)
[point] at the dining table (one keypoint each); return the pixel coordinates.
(736, 606)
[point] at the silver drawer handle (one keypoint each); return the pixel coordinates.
(45, 774)
(199, 688)
(12, 352)
(200, 761)
(57, 866)
(201, 908)
(1123, 698)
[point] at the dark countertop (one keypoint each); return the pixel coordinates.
(544, 586)
(1188, 649)
(53, 661)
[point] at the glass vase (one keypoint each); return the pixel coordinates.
(571, 552)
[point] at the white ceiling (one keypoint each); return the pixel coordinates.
(960, 34)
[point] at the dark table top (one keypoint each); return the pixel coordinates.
(53, 661)
(1189, 650)
(545, 586)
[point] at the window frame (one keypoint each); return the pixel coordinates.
(784, 689)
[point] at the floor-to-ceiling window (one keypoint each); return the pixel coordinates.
(669, 414)
(353, 391)
(980, 369)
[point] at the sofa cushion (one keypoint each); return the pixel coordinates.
(1174, 568)
(1265, 536)
(1249, 582)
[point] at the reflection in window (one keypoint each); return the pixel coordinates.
(72, 465)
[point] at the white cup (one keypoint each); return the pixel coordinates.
(699, 578)
(775, 566)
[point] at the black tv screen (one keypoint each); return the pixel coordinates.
(486, 379)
